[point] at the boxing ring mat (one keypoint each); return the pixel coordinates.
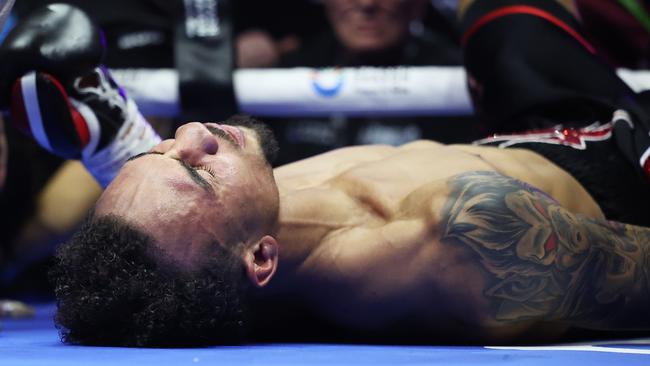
(35, 342)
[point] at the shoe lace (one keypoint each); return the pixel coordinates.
(97, 86)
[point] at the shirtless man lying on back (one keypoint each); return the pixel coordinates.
(198, 237)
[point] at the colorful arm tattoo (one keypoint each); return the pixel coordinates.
(542, 262)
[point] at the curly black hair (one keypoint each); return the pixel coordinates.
(114, 287)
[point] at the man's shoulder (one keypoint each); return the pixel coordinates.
(318, 169)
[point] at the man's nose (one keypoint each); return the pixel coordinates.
(193, 142)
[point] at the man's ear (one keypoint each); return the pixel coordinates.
(261, 261)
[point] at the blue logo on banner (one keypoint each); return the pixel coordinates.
(327, 82)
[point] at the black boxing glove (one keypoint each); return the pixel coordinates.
(70, 104)
(58, 39)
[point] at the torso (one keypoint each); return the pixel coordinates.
(358, 231)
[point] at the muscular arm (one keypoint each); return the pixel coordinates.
(540, 262)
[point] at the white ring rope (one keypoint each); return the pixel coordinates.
(306, 92)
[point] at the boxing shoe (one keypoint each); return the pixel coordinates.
(92, 120)
(56, 91)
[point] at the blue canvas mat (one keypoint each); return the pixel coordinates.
(36, 342)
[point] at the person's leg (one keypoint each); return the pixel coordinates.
(530, 67)
(592, 156)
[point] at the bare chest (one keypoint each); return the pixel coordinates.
(402, 278)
